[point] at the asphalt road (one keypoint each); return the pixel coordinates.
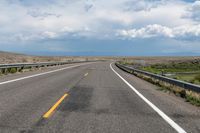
(97, 100)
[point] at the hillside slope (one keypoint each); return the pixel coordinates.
(7, 57)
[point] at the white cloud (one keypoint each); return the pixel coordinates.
(179, 32)
(194, 11)
(88, 5)
(40, 14)
(147, 32)
(49, 34)
(140, 5)
(35, 20)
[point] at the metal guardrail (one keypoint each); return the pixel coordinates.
(25, 65)
(182, 84)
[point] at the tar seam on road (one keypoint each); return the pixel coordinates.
(161, 113)
(35, 75)
(53, 108)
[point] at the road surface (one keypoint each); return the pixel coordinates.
(90, 98)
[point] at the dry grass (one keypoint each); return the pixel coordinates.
(189, 96)
(6, 58)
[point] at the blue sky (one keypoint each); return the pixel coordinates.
(101, 27)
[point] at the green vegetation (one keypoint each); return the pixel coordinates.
(174, 67)
(191, 78)
(13, 70)
(189, 96)
(7, 71)
(197, 77)
(193, 100)
(185, 71)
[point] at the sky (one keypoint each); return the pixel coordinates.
(100, 27)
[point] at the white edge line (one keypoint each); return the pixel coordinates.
(161, 113)
(35, 75)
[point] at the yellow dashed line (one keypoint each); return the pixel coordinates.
(52, 109)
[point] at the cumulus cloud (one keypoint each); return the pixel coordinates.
(194, 11)
(37, 13)
(50, 19)
(183, 32)
(88, 5)
(49, 34)
(148, 31)
(142, 5)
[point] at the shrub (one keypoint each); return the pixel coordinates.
(197, 77)
(193, 100)
(192, 81)
(13, 70)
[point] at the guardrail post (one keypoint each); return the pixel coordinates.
(21, 69)
(18, 69)
(5, 70)
(32, 67)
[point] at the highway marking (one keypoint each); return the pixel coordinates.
(35, 75)
(52, 109)
(86, 74)
(161, 113)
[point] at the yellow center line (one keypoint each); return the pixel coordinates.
(86, 74)
(52, 109)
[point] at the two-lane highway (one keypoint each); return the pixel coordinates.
(90, 98)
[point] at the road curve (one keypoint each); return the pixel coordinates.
(89, 98)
